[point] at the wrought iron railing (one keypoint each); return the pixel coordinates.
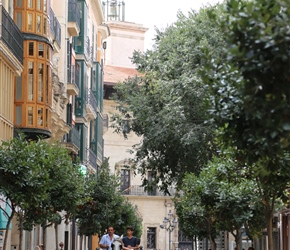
(140, 191)
(74, 14)
(73, 137)
(87, 48)
(100, 150)
(71, 76)
(77, 77)
(11, 35)
(55, 27)
(92, 100)
(92, 159)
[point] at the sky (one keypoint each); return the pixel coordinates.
(159, 13)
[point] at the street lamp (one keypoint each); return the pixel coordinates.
(169, 224)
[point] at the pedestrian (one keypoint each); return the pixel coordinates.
(108, 239)
(251, 248)
(130, 242)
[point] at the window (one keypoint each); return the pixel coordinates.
(151, 180)
(40, 82)
(18, 115)
(31, 48)
(125, 181)
(18, 88)
(19, 3)
(40, 49)
(38, 4)
(40, 117)
(30, 4)
(44, 6)
(151, 237)
(47, 78)
(19, 20)
(30, 115)
(30, 22)
(30, 81)
(45, 27)
(38, 24)
(46, 118)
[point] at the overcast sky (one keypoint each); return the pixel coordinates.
(159, 13)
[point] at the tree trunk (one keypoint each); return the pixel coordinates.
(7, 229)
(56, 235)
(270, 229)
(212, 244)
(20, 228)
(44, 228)
(81, 242)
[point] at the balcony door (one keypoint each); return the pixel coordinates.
(125, 180)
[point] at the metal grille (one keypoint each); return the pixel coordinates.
(151, 237)
(125, 180)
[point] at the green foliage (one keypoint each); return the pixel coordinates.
(22, 179)
(65, 187)
(40, 180)
(105, 206)
(165, 106)
(250, 89)
(219, 199)
(250, 94)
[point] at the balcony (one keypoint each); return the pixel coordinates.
(74, 18)
(88, 50)
(11, 35)
(72, 88)
(91, 106)
(100, 152)
(72, 140)
(55, 28)
(92, 160)
(140, 191)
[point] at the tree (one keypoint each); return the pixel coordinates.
(22, 179)
(219, 199)
(165, 106)
(39, 181)
(105, 205)
(65, 189)
(251, 95)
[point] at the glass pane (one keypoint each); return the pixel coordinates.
(46, 118)
(18, 88)
(38, 5)
(29, 22)
(40, 49)
(44, 26)
(40, 82)
(48, 52)
(40, 117)
(44, 6)
(19, 3)
(38, 24)
(30, 3)
(30, 115)
(47, 82)
(18, 115)
(30, 81)
(19, 20)
(31, 49)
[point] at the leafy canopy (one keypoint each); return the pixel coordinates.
(165, 106)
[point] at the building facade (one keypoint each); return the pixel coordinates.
(51, 87)
(152, 206)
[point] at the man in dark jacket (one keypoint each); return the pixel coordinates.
(130, 242)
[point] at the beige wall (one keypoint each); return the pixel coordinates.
(124, 39)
